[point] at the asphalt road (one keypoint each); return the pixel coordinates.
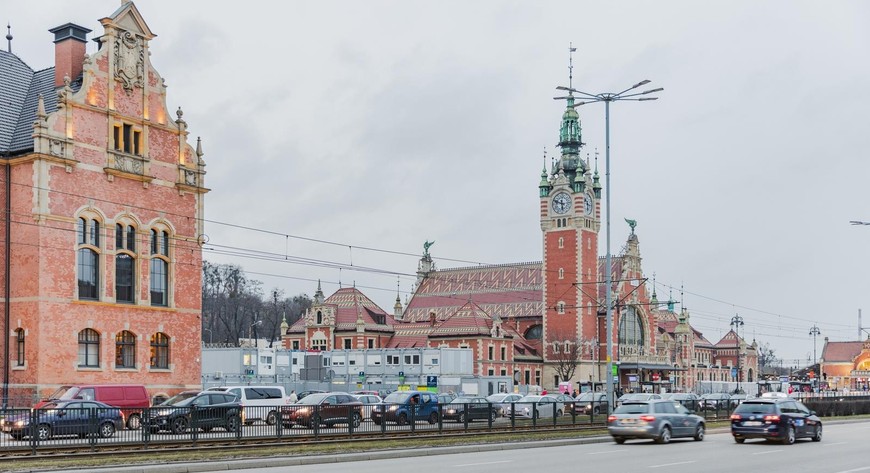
(840, 451)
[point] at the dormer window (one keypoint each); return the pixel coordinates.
(127, 138)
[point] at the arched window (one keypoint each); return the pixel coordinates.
(89, 348)
(19, 338)
(160, 351)
(125, 350)
(159, 267)
(88, 258)
(561, 273)
(561, 242)
(319, 318)
(125, 263)
(560, 307)
(533, 333)
(631, 329)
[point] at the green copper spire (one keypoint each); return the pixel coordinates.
(544, 185)
(596, 184)
(570, 136)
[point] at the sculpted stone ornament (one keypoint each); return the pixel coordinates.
(56, 148)
(129, 61)
(632, 224)
(428, 244)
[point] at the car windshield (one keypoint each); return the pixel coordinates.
(462, 400)
(313, 399)
(755, 408)
(586, 397)
(636, 408)
(496, 397)
(69, 394)
(175, 400)
(530, 399)
(397, 398)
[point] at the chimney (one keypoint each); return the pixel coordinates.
(69, 51)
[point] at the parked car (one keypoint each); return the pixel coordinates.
(567, 400)
(636, 397)
(469, 408)
(590, 403)
(178, 398)
(688, 400)
(502, 402)
(65, 418)
(714, 401)
(306, 393)
(736, 400)
(130, 398)
(258, 402)
(445, 398)
(660, 420)
(403, 406)
(368, 401)
(780, 419)
(323, 408)
(545, 406)
(206, 410)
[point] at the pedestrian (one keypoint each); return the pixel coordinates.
(574, 394)
(293, 397)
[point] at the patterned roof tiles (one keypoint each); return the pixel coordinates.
(841, 351)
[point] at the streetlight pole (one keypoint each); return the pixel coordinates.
(737, 322)
(210, 335)
(814, 332)
(608, 97)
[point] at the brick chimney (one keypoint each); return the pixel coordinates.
(69, 51)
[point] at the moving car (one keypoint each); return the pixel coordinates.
(714, 401)
(206, 410)
(65, 418)
(467, 408)
(688, 400)
(779, 419)
(539, 406)
(660, 420)
(403, 406)
(590, 403)
(323, 408)
(132, 399)
(502, 402)
(258, 402)
(636, 397)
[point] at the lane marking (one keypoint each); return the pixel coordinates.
(835, 443)
(855, 470)
(486, 463)
(766, 452)
(596, 453)
(672, 464)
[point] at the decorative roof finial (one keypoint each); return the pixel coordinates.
(40, 107)
(8, 37)
(571, 50)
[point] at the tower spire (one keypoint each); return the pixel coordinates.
(8, 37)
(571, 50)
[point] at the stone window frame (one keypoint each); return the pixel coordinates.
(88, 346)
(126, 236)
(161, 257)
(160, 351)
(127, 138)
(125, 349)
(20, 339)
(89, 241)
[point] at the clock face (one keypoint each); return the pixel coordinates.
(588, 206)
(561, 203)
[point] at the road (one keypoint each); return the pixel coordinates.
(841, 451)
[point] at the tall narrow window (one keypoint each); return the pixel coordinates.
(88, 259)
(160, 351)
(159, 268)
(125, 350)
(89, 348)
(125, 263)
(19, 336)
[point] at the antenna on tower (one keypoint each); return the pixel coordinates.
(571, 50)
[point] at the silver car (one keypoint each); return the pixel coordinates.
(541, 407)
(502, 402)
(660, 420)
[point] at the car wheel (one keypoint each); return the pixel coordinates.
(817, 436)
(664, 436)
(107, 429)
(314, 421)
(134, 422)
(493, 415)
(595, 411)
(272, 418)
(619, 440)
(433, 418)
(788, 438)
(179, 425)
(739, 439)
(356, 419)
(234, 423)
(402, 419)
(43, 432)
(699, 432)
(559, 413)
(461, 418)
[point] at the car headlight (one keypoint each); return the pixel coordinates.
(451, 411)
(21, 423)
(303, 410)
(393, 408)
(163, 413)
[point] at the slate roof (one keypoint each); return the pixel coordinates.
(20, 87)
(505, 290)
(841, 351)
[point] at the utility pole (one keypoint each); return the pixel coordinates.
(737, 322)
(814, 332)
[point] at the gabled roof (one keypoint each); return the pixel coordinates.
(841, 351)
(506, 290)
(351, 305)
(470, 319)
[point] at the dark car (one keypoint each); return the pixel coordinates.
(714, 401)
(689, 400)
(65, 418)
(205, 411)
(403, 406)
(323, 408)
(469, 408)
(780, 419)
(590, 403)
(303, 394)
(660, 420)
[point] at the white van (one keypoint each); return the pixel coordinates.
(258, 402)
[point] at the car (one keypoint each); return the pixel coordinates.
(539, 406)
(503, 401)
(636, 397)
(445, 398)
(566, 399)
(714, 401)
(323, 408)
(206, 410)
(306, 393)
(132, 399)
(469, 408)
(258, 402)
(657, 419)
(778, 419)
(688, 400)
(56, 418)
(590, 403)
(736, 400)
(403, 407)
(178, 398)
(368, 401)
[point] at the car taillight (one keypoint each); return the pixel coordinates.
(774, 419)
(735, 417)
(648, 418)
(611, 418)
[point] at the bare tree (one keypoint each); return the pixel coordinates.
(766, 355)
(566, 351)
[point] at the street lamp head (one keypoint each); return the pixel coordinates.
(643, 99)
(652, 91)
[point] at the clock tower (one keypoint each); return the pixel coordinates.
(570, 219)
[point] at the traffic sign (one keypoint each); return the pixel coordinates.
(432, 381)
(362, 374)
(615, 369)
(733, 372)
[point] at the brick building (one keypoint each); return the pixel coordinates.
(100, 265)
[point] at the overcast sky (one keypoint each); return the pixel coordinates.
(378, 125)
